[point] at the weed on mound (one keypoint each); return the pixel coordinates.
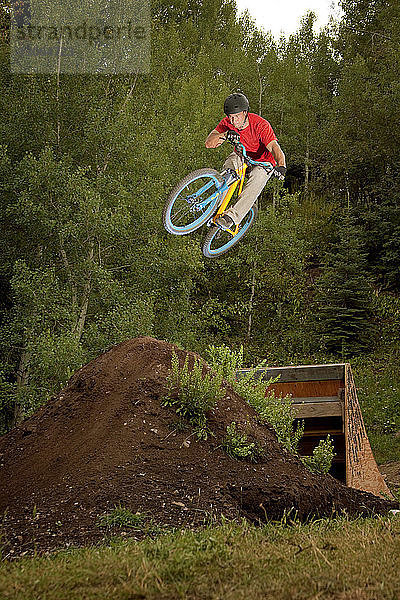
(118, 448)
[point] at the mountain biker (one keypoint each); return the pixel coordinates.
(260, 142)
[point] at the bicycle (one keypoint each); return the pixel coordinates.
(202, 196)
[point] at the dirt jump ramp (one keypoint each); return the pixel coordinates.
(325, 398)
(106, 440)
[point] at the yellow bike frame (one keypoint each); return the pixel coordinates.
(231, 190)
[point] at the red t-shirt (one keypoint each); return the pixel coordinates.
(255, 137)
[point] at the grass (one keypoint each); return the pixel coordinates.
(329, 559)
(386, 447)
(122, 517)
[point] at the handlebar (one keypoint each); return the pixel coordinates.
(238, 146)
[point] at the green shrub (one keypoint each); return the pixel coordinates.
(223, 359)
(237, 445)
(322, 456)
(278, 412)
(192, 393)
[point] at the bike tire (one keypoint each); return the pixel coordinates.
(214, 243)
(191, 184)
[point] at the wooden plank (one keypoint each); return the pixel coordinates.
(308, 389)
(318, 409)
(323, 432)
(315, 399)
(301, 373)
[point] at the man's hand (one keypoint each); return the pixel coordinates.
(232, 136)
(280, 172)
(214, 139)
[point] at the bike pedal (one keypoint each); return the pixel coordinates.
(223, 229)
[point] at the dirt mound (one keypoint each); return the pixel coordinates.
(106, 440)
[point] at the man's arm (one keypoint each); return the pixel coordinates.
(214, 139)
(277, 153)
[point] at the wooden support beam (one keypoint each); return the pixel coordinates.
(361, 469)
(302, 373)
(317, 409)
(320, 433)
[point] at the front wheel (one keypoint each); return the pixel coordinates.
(218, 241)
(192, 201)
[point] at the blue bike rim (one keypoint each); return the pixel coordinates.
(203, 217)
(233, 240)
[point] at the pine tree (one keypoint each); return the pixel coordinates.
(343, 299)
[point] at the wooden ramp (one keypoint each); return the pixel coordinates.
(325, 397)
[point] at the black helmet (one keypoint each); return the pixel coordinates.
(235, 103)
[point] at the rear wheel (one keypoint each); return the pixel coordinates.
(218, 241)
(192, 201)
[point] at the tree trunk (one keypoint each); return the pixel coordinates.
(307, 164)
(260, 88)
(69, 274)
(22, 380)
(251, 300)
(83, 312)
(80, 324)
(58, 95)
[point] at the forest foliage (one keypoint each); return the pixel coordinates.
(87, 161)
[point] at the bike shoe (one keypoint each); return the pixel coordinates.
(225, 222)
